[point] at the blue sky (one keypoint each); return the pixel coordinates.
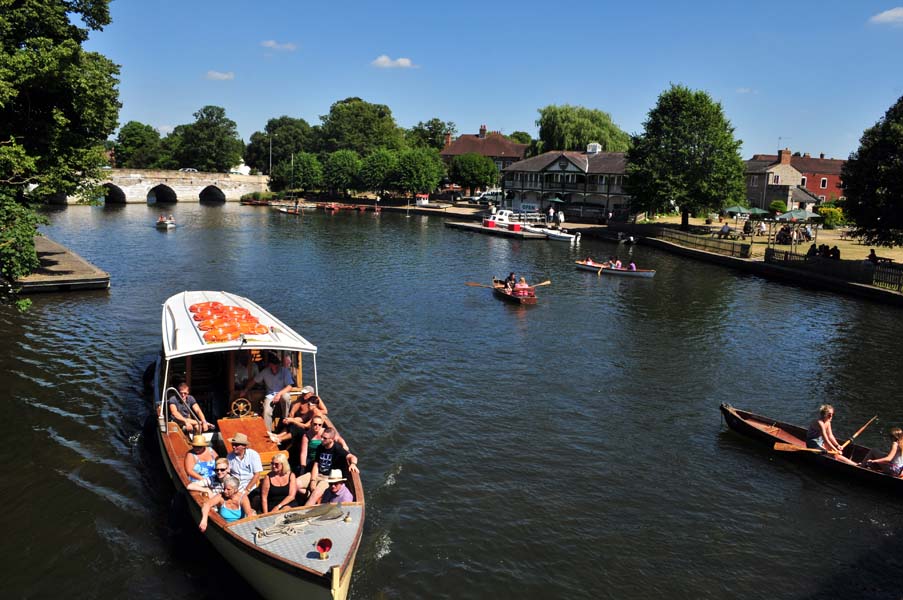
(808, 75)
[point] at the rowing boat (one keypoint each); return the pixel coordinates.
(606, 270)
(287, 566)
(770, 432)
(166, 224)
(498, 289)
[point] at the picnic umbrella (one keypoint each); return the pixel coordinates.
(736, 209)
(800, 214)
(758, 211)
(557, 200)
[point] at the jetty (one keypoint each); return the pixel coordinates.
(61, 270)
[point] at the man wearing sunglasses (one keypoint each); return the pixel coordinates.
(330, 456)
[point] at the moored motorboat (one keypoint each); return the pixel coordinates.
(605, 269)
(558, 235)
(204, 332)
(769, 432)
(524, 296)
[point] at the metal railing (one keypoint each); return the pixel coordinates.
(884, 275)
(705, 242)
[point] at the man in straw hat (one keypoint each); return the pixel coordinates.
(337, 491)
(330, 456)
(244, 463)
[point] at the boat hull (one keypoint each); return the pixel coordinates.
(166, 225)
(500, 293)
(603, 270)
(767, 432)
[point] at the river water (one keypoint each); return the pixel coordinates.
(569, 450)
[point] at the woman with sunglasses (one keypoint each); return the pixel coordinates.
(279, 487)
(213, 485)
(820, 435)
(232, 504)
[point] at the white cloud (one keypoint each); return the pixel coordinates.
(893, 16)
(746, 90)
(384, 62)
(220, 76)
(274, 45)
(165, 130)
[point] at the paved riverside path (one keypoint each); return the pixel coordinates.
(61, 270)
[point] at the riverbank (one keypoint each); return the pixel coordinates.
(61, 270)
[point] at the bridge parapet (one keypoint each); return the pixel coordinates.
(134, 186)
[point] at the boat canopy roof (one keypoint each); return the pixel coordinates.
(181, 336)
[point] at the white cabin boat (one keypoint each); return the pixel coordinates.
(289, 567)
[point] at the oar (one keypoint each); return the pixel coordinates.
(861, 429)
(794, 448)
(599, 274)
(475, 284)
(546, 282)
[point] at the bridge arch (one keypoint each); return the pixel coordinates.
(113, 194)
(161, 194)
(211, 193)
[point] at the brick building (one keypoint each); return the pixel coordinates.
(819, 177)
(493, 144)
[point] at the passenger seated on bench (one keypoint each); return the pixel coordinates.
(186, 411)
(287, 363)
(337, 490)
(329, 455)
(278, 382)
(232, 503)
(725, 231)
(279, 487)
(200, 460)
(213, 485)
(892, 464)
(521, 288)
(245, 370)
(244, 462)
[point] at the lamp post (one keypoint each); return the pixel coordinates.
(270, 172)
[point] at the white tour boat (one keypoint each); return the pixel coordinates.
(291, 554)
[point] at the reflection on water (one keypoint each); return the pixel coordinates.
(569, 449)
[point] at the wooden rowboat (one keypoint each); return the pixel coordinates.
(280, 561)
(498, 289)
(606, 270)
(769, 432)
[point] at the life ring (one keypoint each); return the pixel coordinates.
(215, 323)
(214, 336)
(205, 305)
(253, 328)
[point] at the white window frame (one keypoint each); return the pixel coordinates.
(822, 198)
(776, 180)
(824, 183)
(803, 182)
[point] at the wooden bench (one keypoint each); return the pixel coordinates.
(258, 438)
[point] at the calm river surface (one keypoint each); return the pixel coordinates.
(570, 450)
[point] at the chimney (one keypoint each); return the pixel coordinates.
(784, 156)
(806, 155)
(822, 155)
(447, 139)
(482, 131)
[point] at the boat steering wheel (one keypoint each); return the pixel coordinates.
(240, 407)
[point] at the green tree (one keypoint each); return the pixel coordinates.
(419, 170)
(308, 172)
(873, 181)
(211, 143)
(378, 169)
(58, 103)
(521, 137)
(777, 207)
(353, 124)
(138, 146)
(473, 171)
(569, 127)
(686, 157)
(341, 170)
(832, 217)
(171, 149)
(288, 136)
(430, 134)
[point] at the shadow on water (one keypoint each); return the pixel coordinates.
(874, 575)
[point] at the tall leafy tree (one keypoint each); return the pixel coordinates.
(287, 135)
(687, 157)
(341, 170)
(308, 172)
(569, 127)
(138, 146)
(430, 134)
(473, 171)
(353, 124)
(378, 169)
(521, 137)
(873, 180)
(419, 170)
(211, 143)
(58, 103)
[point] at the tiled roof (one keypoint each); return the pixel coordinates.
(757, 166)
(600, 162)
(827, 166)
(493, 145)
(801, 195)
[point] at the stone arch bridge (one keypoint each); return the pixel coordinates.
(130, 186)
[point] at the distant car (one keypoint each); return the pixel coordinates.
(188, 170)
(235, 172)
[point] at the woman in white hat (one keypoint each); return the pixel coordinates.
(200, 461)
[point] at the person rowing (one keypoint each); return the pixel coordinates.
(820, 435)
(522, 289)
